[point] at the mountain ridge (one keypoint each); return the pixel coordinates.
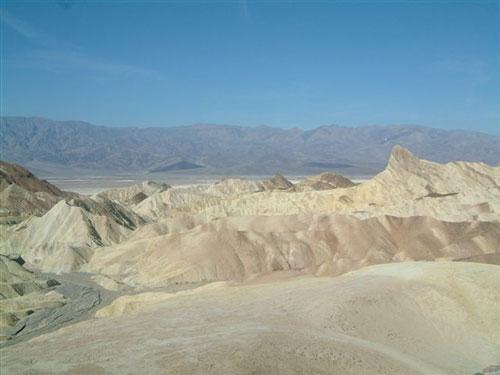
(231, 149)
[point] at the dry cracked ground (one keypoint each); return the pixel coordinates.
(397, 275)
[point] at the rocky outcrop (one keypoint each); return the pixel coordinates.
(324, 181)
(134, 194)
(17, 204)
(23, 195)
(64, 238)
(14, 174)
(278, 182)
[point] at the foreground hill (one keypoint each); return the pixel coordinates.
(51, 145)
(407, 318)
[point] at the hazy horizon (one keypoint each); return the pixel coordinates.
(151, 64)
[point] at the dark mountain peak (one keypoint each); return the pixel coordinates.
(280, 182)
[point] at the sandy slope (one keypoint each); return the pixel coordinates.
(64, 238)
(237, 248)
(409, 318)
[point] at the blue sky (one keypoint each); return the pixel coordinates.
(279, 63)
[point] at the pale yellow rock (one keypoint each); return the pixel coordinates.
(455, 191)
(181, 234)
(237, 248)
(129, 304)
(63, 239)
(407, 318)
(135, 303)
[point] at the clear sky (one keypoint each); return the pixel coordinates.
(279, 63)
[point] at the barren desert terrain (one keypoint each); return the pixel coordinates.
(398, 274)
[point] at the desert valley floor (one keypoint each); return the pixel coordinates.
(398, 274)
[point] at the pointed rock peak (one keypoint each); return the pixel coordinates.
(399, 152)
(280, 178)
(154, 185)
(280, 182)
(401, 157)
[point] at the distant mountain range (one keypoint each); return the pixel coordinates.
(49, 146)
